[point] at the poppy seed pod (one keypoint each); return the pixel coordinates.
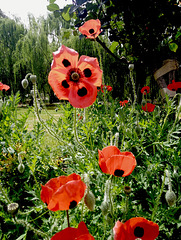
(170, 198)
(33, 78)
(12, 208)
(24, 83)
(127, 190)
(89, 200)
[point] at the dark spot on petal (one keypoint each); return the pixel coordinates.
(65, 84)
(118, 173)
(139, 232)
(87, 72)
(66, 63)
(82, 92)
(72, 204)
(91, 31)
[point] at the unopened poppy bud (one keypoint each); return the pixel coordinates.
(175, 173)
(21, 167)
(131, 67)
(170, 197)
(127, 190)
(104, 208)
(143, 102)
(24, 83)
(33, 78)
(1, 105)
(13, 208)
(89, 200)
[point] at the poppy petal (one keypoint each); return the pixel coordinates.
(121, 165)
(140, 227)
(64, 58)
(82, 95)
(67, 196)
(149, 107)
(67, 233)
(91, 28)
(61, 89)
(90, 67)
(119, 231)
(4, 87)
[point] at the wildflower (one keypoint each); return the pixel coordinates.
(63, 193)
(174, 86)
(91, 29)
(109, 88)
(70, 233)
(4, 87)
(136, 228)
(123, 103)
(75, 80)
(149, 107)
(145, 90)
(114, 162)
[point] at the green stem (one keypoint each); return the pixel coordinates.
(158, 198)
(134, 88)
(68, 222)
(75, 131)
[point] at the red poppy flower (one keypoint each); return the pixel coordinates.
(109, 88)
(145, 90)
(174, 86)
(114, 162)
(75, 80)
(4, 87)
(80, 233)
(91, 29)
(136, 228)
(123, 103)
(149, 107)
(63, 193)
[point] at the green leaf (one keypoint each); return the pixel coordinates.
(173, 47)
(52, 1)
(65, 14)
(52, 7)
(113, 46)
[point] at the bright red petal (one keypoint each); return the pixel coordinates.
(71, 192)
(119, 231)
(149, 107)
(139, 227)
(121, 165)
(66, 234)
(82, 95)
(4, 87)
(91, 70)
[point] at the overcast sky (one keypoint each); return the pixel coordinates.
(21, 8)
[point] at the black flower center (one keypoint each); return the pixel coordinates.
(139, 232)
(65, 84)
(91, 31)
(66, 62)
(87, 72)
(72, 204)
(82, 92)
(118, 173)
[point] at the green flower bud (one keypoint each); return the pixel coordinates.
(138, 129)
(89, 200)
(104, 208)
(33, 78)
(21, 167)
(131, 67)
(24, 83)
(170, 197)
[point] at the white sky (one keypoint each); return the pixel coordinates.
(21, 8)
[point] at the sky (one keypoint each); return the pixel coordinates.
(21, 8)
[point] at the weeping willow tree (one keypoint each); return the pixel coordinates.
(10, 33)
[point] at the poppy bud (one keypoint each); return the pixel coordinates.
(131, 67)
(21, 168)
(104, 208)
(170, 197)
(24, 83)
(116, 139)
(13, 208)
(33, 78)
(89, 200)
(175, 173)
